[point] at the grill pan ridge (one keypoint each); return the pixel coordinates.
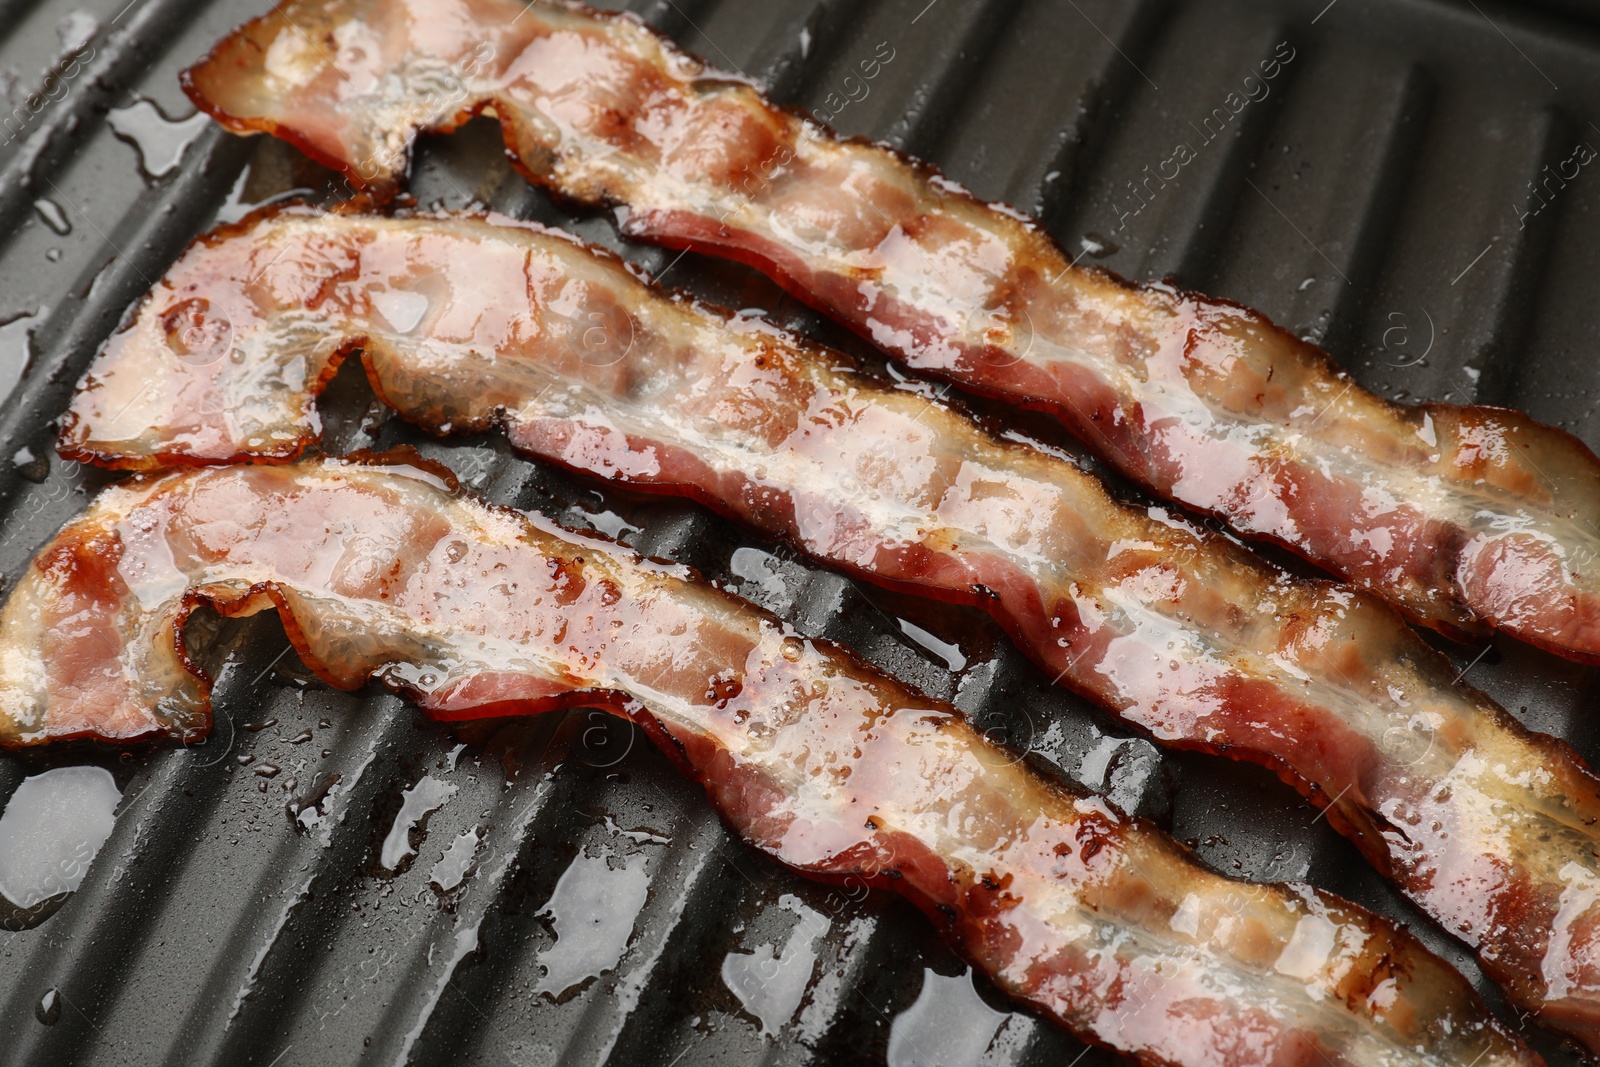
(1371, 201)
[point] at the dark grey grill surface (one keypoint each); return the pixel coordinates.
(1370, 200)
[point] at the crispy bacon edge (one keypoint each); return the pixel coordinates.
(807, 752)
(1539, 582)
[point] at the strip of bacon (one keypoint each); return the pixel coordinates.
(380, 571)
(465, 321)
(1460, 515)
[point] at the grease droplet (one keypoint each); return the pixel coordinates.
(35, 468)
(53, 216)
(1097, 246)
(159, 140)
(53, 826)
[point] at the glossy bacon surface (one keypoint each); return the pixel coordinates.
(465, 321)
(1461, 515)
(381, 571)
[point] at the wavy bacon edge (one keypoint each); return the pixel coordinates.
(1518, 584)
(1020, 891)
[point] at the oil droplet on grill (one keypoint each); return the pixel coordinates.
(245, 197)
(160, 141)
(771, 982)
(16, 348)
(950, 653)
(949, 1025)
(48, 1010)
(593, 910)
(416, 804)
(53, 216)
(456, 861)
(609, 523)
(35, 468)
(76, 30)
(53, 826)
(1097, 246)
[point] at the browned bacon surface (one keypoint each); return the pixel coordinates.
(1460, 515)
(464, 321)
(380, 571)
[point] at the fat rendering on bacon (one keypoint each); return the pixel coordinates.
(1463, 516)
(465, 321)
(379, 570)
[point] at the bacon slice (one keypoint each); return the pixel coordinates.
(378, 571)
(465, 321)
(1462, 516)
